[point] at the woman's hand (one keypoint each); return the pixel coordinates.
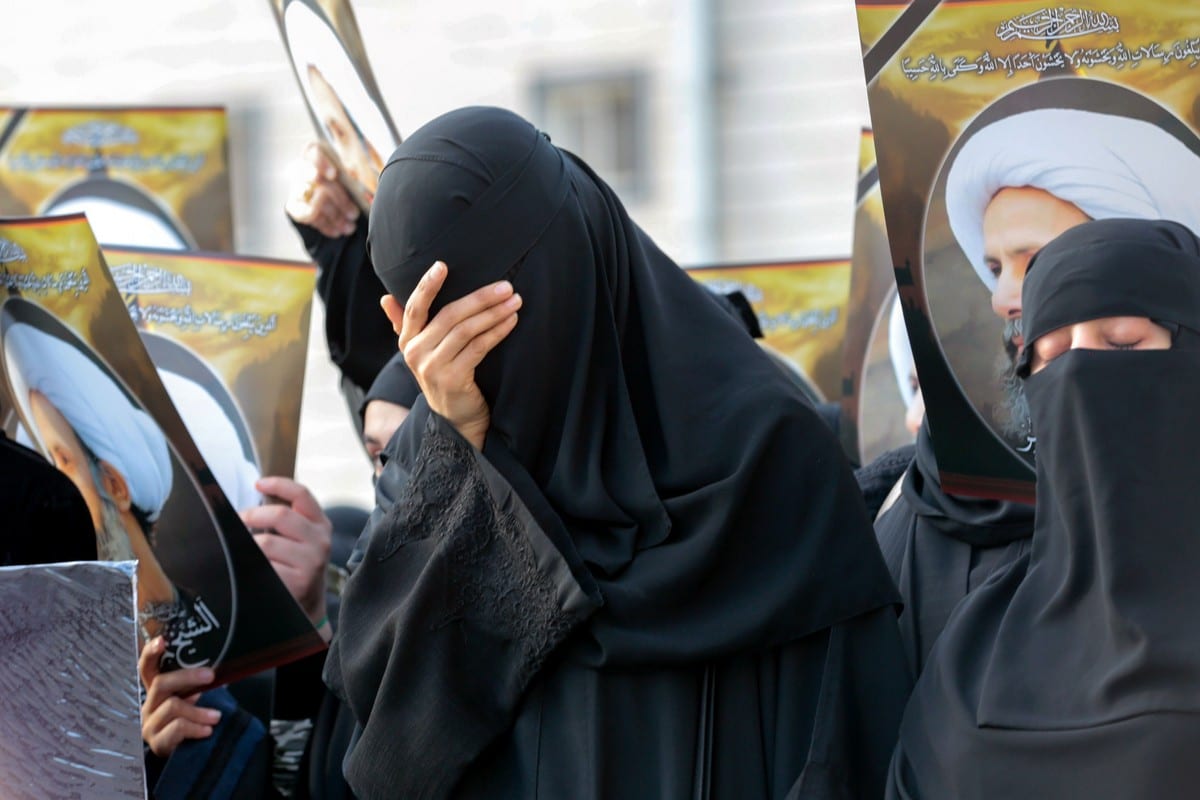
(170, 713)
(321, 201)
(298, 546)
(444, 352)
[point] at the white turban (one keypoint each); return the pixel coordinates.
(1108, 166)
(217, 439)
(97, 409)
(901, 352)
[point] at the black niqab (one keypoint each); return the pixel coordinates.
(1074, 672)
(662, 436)
(394, 384)
(708, 538)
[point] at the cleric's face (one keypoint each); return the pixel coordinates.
(1018, 222)
(66, 452)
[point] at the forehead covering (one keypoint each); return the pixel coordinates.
(1112, 268)
(1107, 165)
(488, 185)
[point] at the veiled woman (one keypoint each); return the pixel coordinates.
(1073, 673)
(616, 553)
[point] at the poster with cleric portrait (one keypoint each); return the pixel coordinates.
(998, 126)
(79, 386)
(228, 335)
(326, 52)
(801, 310)
(881, 397)
(145, 176)
(70, 723)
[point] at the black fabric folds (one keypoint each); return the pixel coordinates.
(395, 384)
(939, 547)
(45, 517)
(1072, 673)
(686, 504)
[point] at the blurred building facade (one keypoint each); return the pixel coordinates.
(730, 127)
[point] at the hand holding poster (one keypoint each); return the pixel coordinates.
(999, 125)
(79, 382)
(330, 63)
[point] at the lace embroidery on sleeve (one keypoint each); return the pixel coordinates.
(494, 581)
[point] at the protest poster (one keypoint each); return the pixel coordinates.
(998, 125)
(70, 723)
(327, 55)
(81, 388)
(800, 307)
(145, 176)
(879, 380)
(229, 336)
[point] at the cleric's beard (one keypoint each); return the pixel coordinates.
(1016, 420)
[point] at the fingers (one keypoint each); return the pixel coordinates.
(179, 683)
(148, 660)
(295, 494)
(416, 309)
(316, 154)
(477, 332)
(168, 725)
(280, 550)
(475, 350)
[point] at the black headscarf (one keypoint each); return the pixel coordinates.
(1074, 672)
(394, 384)
(940, 546)
(702, 493)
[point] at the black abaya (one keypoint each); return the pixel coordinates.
(1073, 672)
(941, 547)
(657, 578)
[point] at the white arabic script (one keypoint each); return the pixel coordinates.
(1050, 24)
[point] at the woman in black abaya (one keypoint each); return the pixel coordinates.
(1073, 672)
(620, 558)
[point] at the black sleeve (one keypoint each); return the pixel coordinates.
(459, 598)
(359, 335)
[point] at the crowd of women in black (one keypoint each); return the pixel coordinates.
(617, 554)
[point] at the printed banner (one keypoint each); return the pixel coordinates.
(801, 309)
(879, 379)
(79, 384)
(145, 177)
(229, 336)
(70, 722)
(998, 126)
(327, 55)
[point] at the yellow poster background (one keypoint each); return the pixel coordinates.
(248, 318)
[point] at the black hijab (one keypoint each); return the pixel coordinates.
(394, 384)
(1074, 672)
(709, 503)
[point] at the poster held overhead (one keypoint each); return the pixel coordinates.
(326, 51)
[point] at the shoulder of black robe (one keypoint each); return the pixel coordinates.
(938, 547)
(45, 517)
(1073, 673)
(359, 335)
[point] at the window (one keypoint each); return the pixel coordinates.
(602, 119)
